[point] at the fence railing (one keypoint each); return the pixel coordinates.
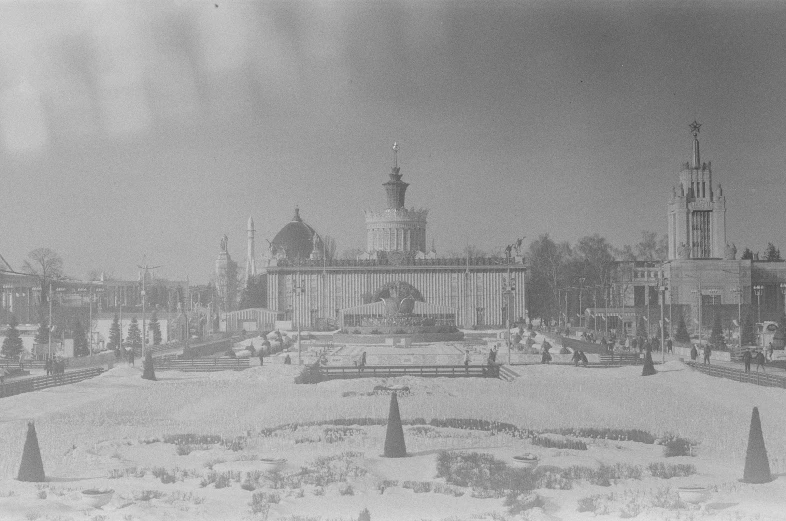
(738, 375)
(203, 364)
(329, 372)
(37, 383)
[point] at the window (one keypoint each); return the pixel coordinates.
(710, 300)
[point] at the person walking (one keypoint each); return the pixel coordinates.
(707, 352)
(261, 356)
(669, 346)
(576, 358)
(466, 361)
(746, 359)
(770, 349)
(48, 365)
(583, 357)
(131, 356)
(760, 361)
(694, 353)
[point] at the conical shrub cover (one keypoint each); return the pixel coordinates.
(32, 468)
(148, 372)
(394, 439)
(649, 365)
(757, 466)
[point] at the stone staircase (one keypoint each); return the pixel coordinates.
(507, 374)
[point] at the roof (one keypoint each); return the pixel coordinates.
(296, 238)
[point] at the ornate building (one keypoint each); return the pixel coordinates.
(696, 211)
(226, 279)
(396, 228)
(251, 266)
(702, 278)
(313, 291)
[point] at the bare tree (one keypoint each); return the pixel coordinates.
(45, 264)
(351, 253)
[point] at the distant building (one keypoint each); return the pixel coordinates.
(226, 279)
(305, 288)
(703, 278)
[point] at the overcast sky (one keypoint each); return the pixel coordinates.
(153, 128)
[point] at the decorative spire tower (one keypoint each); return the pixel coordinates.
(251, 267)
(696, 215)
(395, 228)
(395, 188)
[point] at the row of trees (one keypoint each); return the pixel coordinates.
(586, 269)
(771, 253)
(134, 336)
(12, 345)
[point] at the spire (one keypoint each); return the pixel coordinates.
(395, 188)
(694, 128)
(250, 224)
(297, 215)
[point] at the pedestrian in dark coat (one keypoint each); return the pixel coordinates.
(746, 359)
(261, 356)
(707, 352)
(760, 361)
(576, 358)
(584, 360)
(669, 346)
(694, 353)
(48, 366)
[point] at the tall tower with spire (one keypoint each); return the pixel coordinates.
(396, 228)
(251, 267)
(696, 211)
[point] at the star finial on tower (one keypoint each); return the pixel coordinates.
(395, 155)
(694, 127)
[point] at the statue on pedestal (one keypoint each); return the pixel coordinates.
(731, 252)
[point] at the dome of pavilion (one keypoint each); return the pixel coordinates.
(297, 239)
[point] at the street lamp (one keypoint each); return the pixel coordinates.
(299, 288)
(758, 289)
(581, 309)
(663, 285)
(144, 331)
(738, 291)
(783, 290)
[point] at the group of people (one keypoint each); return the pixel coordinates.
(54, 365)
(748, 357)
(579, 358)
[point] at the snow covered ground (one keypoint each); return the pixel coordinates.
(110, 432)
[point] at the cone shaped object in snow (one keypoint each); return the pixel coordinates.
(148, 373)
(32, 468)
(757, 466)
(394, 439)
(649, 365)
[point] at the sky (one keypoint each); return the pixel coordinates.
(135, 132)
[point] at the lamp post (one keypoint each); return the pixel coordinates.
(144, 280)
(663, 285)
(49, 296)
(758, 289)
(298, 288)
(738, 291)
(581, 309)
(783, 290)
